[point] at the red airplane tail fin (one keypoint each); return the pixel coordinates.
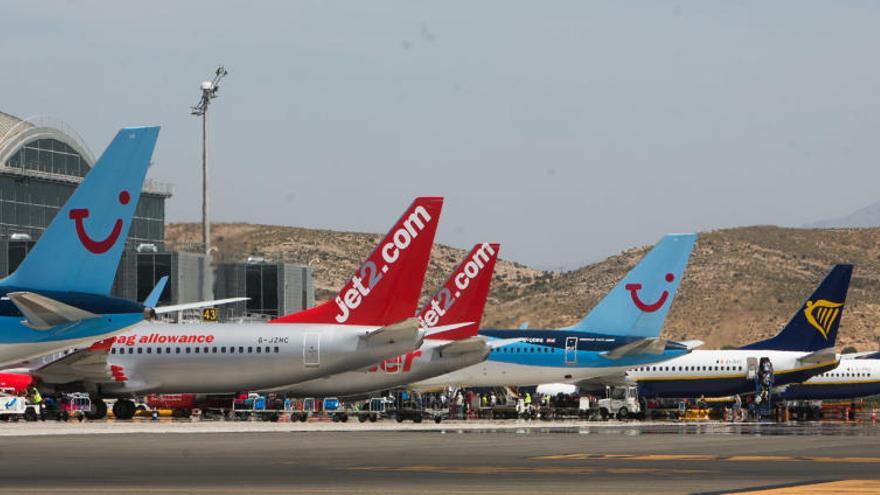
(463, 296)
(385, 289)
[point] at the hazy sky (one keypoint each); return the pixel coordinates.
(567, 131)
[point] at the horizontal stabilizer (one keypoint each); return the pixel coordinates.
(198, 305)
(861, 355)
(653, 346)
(826, 355)
(83, 364)
(598, 384)
(43, 313)
(464, 346)
(401, 331)
(495, 343)
(434, 331)
(691, 344)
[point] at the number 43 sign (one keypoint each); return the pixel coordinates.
(209, 314)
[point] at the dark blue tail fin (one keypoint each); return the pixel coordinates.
(814, 326)
(80, 250)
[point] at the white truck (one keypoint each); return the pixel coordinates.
(620, 402)
(14, 408)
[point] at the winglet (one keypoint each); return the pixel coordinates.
(153, 298)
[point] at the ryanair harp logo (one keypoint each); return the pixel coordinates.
(822, 314)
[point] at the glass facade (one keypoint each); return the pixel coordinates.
(28, 204)
(150, 268)
(261, 282)
(16, 252)
(50, 156)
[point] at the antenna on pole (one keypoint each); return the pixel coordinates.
(209, 92)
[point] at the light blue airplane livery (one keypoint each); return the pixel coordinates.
(59, 296)
(620, 332)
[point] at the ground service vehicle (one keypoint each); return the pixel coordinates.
(620, 402)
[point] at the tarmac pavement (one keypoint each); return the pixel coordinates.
(479, 458)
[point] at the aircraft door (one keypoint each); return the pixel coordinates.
(571, 346)
(312, 350)
(751, 368)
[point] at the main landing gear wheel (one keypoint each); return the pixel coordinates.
(98, 410)
(124, 409)
(30, 415)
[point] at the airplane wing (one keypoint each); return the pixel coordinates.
(861, 355)
(599, 383)
(821, 356)
(407, 329)
(446, 328)
(43, 313)
(80, 365)
(691, 344)
(473, 344)
(650, 345)
(464, 346)
(197, 305)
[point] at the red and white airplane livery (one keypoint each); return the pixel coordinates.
(451, 318)
(370, 320)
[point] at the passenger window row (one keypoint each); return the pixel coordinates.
(539, 349)
(848, 375)
(198, 350)
(689, 368)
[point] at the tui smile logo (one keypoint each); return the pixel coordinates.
(104, 245)
(648, 307)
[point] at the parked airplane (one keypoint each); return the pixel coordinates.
(371, 319)
(803, 349)
(620, 332)
(854, 377)
(451, 318)
(59, 296)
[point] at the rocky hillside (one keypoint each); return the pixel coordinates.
(742, 284)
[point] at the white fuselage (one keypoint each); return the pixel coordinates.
(849, 371)
(420, 364)
(226, 358)
(502, 374)
(714, 373)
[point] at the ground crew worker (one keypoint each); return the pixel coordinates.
(34, 395)
(528, 399)
(35, 398)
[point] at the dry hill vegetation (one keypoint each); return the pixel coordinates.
(741, 284)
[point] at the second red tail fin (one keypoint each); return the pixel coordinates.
(385, 289)
(463, 295)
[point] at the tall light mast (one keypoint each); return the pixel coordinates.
(209, 92)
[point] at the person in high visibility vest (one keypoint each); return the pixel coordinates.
(34, 395)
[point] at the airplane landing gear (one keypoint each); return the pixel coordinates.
(98, 409)
(124, 409)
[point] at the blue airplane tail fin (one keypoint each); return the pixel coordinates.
(814, 326)
(81, 247)
(638, 304)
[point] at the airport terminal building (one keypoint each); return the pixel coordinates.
(43, 160)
